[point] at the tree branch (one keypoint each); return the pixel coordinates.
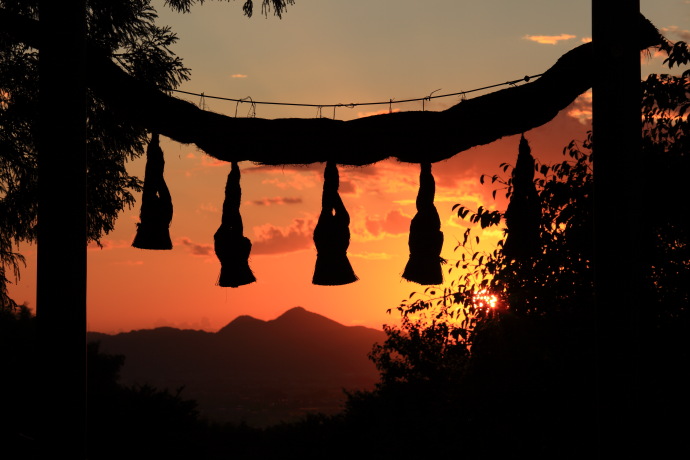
(413, 136)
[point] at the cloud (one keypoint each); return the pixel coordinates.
(683, 34)
(276, 200)
(652, 53)
(270, 239)
(394, 223)
(347, 187)
(282, 169)
(581, 108)
(382, 178)
(238, 75)
(301, 177)
(293, 179)
(210, 162)
(208, 207)
(586, 39)
(196, 249)
(548, 39)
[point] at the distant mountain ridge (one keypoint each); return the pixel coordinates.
(252, 370)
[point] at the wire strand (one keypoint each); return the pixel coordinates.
(389, 102)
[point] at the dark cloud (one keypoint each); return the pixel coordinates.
(283, 168)
(683, 34)
(278, 240)
(277, 200)
(347, 187)
(394, 223)
(196, 248)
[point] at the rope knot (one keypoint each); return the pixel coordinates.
(230, 245)
(332, 235)
(426, 239)
(153, 230)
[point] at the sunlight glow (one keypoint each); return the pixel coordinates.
(485, 299)
(4, 99)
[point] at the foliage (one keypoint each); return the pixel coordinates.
(124, 421)
(559, 280)
(128, 33)
(278, 6)
(525, 368)
(438, 326)
(18, 384)
(665, 247)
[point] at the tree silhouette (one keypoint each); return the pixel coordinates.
(128, 34)
(18, 383)
(526, 369)
(125, 32)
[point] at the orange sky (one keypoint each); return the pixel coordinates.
(131, 288)
(317, 52)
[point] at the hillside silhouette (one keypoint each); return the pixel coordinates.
(253, 371)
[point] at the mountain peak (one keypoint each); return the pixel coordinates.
(294, 311)
(241, 322)
(296, 318)
(299, 317)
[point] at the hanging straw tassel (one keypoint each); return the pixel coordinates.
(153, 232)
(524, 210)
(231, 246)
(332, 235)
(426, 239)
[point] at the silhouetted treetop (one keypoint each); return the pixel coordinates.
(127, 35)
(277, 6)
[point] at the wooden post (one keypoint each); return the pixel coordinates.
(61, 264)
(616, 149)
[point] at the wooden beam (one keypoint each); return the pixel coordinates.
(61, 264)
(617, 132)
(415, 136)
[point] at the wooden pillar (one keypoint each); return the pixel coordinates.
(61, 264)
(616, 149)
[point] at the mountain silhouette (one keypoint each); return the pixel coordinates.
(253, 371)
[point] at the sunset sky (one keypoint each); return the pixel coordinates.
(330, 52)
